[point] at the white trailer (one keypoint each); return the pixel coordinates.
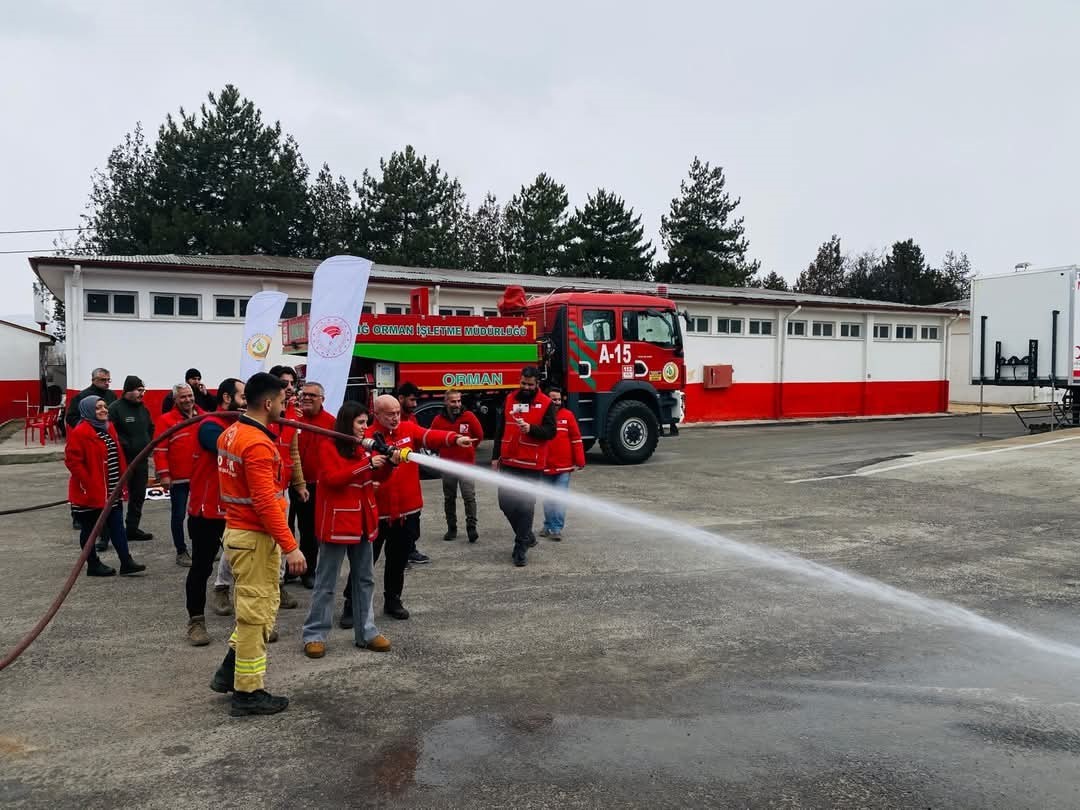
(1025, 328)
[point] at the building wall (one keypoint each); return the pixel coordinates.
(820, 375)
(773, 375)
(20, 372)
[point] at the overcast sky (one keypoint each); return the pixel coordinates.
(955, 123)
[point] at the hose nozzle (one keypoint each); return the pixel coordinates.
(405, 453)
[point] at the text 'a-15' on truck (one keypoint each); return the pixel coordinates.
(618, 358)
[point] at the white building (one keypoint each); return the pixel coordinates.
(22, 365)
(750, 353)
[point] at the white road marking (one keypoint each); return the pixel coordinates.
(921, 462)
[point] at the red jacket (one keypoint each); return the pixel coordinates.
(565, 451)
(525, 451)
(176, 457)
(310, 443)
(345, 509)
(87, 458)
(400, 494)
(285, 435)
(205, 497)
(466, 424)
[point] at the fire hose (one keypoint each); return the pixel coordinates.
(378, 444)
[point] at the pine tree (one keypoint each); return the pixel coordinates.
(414, 213)
(864, 276)
(905, 276)
(825, 274)
(704, 242)
(120, 210)
(954, 278)
(335, 220)
(607, 241)
(485, 243)
(536, 222)
(772, 281)
(225, 182)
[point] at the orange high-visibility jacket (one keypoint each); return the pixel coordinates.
(249, 472)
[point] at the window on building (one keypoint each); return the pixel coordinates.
(166, 305)
(823, 329)
(369, 309)
(463, 312)
(396, 309)
(490, 313)
(882, 331)
(294, 307)
(598, 324)
(761, 327)
(729, 326)
(929, 333)
(230, 307)
(110, 303)
(905, 332)
(851, 330)
(796, 328)
(649, 326)
(697, 325)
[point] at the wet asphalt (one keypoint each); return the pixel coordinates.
(624, 667)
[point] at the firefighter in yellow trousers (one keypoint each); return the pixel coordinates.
(256, 535)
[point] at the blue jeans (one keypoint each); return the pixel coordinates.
(554, 511)
(114, 524)
(178, 497)
(321, 614)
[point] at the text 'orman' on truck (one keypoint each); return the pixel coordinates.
(618, 358)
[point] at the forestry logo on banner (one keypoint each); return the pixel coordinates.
(331, 337)
(258, 346)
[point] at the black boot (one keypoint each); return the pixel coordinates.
(258, 702)
(470, 529)
(519, 555)
(130, 568)
(346, 621)
(96, 568)
(394, 609)
(222, 681)
(451, 532)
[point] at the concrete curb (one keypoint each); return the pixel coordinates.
(814, 420)
(30, 458)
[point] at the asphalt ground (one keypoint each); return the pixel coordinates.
(624, 667)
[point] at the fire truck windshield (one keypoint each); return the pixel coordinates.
(651, 326)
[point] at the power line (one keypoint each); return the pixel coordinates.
(47, 230)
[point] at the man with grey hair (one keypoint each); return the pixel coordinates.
(99, 387)
(310, 444)
(174, 460)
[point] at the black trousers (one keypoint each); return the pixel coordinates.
(518, 508)
(305, 518)
(205, 534)
(137, 496)
(399, 538)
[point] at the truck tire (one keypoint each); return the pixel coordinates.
(631, 433)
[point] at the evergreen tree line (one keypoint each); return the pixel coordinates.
(223, 181)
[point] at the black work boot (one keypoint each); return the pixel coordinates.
(258, 702)
(96, 568)
(471, 531)
(394, 609)
(346, 621)
(451, 532)
(130, 568)
(519, 555)
(222, 682)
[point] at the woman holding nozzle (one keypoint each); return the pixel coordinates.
(346, 525)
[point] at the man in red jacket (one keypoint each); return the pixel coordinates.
(173, 462)
(566, 454)
(522, 436)
(312, 412)
(455, 419)
(400, 498)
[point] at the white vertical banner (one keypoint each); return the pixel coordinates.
(337, 302)
(260, 323)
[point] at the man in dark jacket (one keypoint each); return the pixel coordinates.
(99, 387)
(135, 428)
(204, 400)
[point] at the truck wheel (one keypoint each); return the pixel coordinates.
(631, 434)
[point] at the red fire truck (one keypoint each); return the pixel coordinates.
(618, 358)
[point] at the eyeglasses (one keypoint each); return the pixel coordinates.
(306, 395)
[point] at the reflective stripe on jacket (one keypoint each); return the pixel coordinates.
(176, 456)
(522, 450)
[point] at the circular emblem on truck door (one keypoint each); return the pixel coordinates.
(671, 372)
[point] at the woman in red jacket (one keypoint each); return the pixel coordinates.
(346, 524)
(93, 457)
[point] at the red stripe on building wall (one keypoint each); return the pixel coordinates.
(12, 390)
(794, 400)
